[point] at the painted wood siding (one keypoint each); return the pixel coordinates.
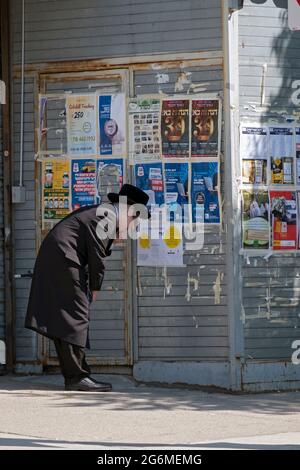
(179, 315)
(73, 29)
(271, 290)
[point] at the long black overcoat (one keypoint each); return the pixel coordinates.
(69, 266)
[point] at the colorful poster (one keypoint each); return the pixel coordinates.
(297, 137)
(112, 124)
(83, 183)
(254, 171)
(254, 141)
(281, 142)
(81, 124)
(177, 189)
(149, 178)
(256, 225)
(163, 250)
(282, 170)
(110, 176)
(204, 192)
(175, 128)
(56, 189)
(284, 220)
(144, 132)
(205, 128)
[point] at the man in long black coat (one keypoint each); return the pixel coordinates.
(69, 270)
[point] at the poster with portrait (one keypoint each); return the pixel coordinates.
(205, 193)
(109, 177)
(56, 189)
(81, 124)
(112, 125)
(254, 141)
(144, 131)
(83, 182)
(177, 190)
(175, 128)
(205, 128)
(284, 219)
(256, 219)
(149, 178)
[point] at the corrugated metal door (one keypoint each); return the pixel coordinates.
(110, 323)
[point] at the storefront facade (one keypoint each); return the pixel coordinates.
(206, 322)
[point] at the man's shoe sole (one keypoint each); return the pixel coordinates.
(69, 388)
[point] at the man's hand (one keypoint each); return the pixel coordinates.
(94, 295)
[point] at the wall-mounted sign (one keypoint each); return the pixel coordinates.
(294, 14)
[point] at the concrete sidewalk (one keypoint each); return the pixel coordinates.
(36, 413)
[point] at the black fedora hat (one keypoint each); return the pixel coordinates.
(133, 194)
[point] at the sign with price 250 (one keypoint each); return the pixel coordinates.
(81, 124)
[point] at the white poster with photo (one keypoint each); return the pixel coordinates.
(81, 125)
(112, 125)
(253, 141)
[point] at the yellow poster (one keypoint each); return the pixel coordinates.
(56, 189)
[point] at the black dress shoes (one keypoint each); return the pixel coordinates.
(89, 385)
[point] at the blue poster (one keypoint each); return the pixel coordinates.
(112, 124)
(204, 192)
(149, 178)
(83, 183)
(110, 176)
(177, 180)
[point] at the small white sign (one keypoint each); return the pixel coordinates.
(2, 352)
(294, 14)
(2, 92)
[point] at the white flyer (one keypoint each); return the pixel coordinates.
(253, 141)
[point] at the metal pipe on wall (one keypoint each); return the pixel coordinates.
(22, 95)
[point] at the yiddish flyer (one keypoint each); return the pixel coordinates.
(144, 132)
(177, 190)
(112, 125)
(254, 171)
(175, 128)
(83, 182)
(163, 249)
(297, 137)
(109, 176)
(205, 192)
(81, 124)
(281, 141)
(284, 220)
(56, 189)
(256, 225)
(205, 128)
(254, 141)
(149, 178)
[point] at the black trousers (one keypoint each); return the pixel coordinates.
(72, 361)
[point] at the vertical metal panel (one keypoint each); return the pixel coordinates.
(271, 297)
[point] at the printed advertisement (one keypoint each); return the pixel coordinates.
(110, 177)
(177, 190)
(83, 183)
(254, 171)
(144, 132)
(175, 128)
(282, 170)
(204, 192)
(284, 220)
(205, 128)
(254, 141)
(165, 250)
(297, 132)
(81, 124)
(149, 178)
(112, 124)
(256, 225)
(281, 142)
(56, 189)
